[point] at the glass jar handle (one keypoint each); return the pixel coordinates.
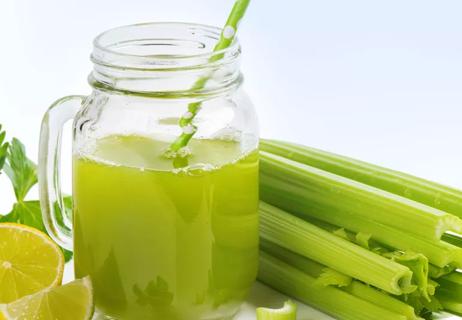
(58, 225)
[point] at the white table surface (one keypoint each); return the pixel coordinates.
(262, 295)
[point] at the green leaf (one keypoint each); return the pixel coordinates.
(23, 175)
(3, 148)
(29, 213)
(10, 217)
(21, 170)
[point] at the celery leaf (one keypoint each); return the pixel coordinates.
(20, 169)
(3, 148)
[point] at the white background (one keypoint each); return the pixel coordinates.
(377, 80)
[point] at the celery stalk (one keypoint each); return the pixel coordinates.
(451, 285)
(453, 239)
(336, 302)
(450, 304)
(287, 312)
(325, 190)
(421, 190)
(418, 264)
(310, 192)
(443, 255)
(324, 276)
(310, 267)
(453, 277)
(339, 254)
(381, 299)
(449, 293)
(354, 287)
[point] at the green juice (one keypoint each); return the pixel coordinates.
(161, 241)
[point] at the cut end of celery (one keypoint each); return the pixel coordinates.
(287, 312)
(403, 283)
(448, 224)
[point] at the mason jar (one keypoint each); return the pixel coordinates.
(165, 175)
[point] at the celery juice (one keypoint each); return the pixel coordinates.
(164, 242)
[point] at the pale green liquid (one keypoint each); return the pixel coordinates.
(163, 244)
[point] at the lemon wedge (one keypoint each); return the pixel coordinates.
(29, 262)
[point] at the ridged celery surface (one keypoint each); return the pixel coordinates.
(324, 275)
(405, 185)
(452, 239)
(332, 198)
(336, 302)
(381, 299)
(451, 304)
(332, 251)
(449, 292)
(439, 253)
(450, 288)
(356, 288)
(405, 220)
(420, 299)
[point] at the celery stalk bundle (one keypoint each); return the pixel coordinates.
(342, 235)
(337, 253)
(421, 190)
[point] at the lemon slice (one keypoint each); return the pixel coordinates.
(29, 262)
(73, 301)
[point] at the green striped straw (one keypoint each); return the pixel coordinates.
(226, 38)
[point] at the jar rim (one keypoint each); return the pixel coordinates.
(110, 46)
